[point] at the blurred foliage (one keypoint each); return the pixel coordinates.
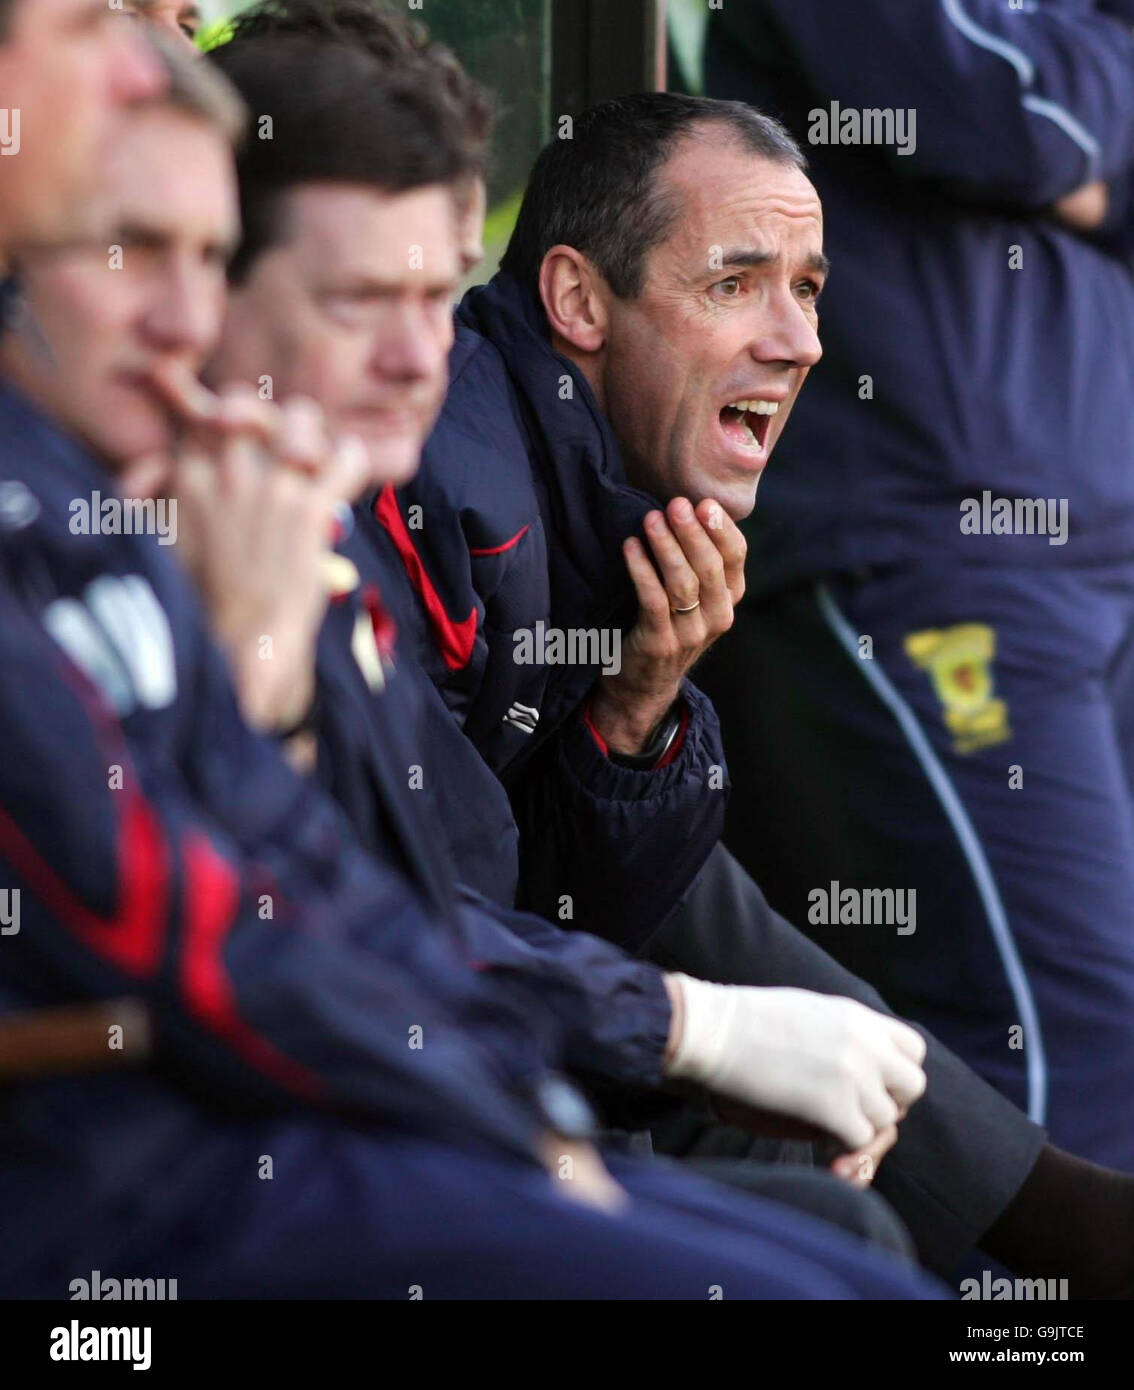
(214, 34)
(506, 45)
(686, 21)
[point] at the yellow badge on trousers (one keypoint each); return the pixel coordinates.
(959, 662)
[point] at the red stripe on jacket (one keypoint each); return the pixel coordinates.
(481, 550)
(212, 898)
(133, 937)
(454, 639)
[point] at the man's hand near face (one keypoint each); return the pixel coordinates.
(700, 554)
(256, 488)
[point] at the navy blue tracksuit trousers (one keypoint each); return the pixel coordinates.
(967, 733)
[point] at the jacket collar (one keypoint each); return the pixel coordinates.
(43, 470)
(588, 506)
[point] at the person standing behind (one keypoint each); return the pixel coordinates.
(929, 686)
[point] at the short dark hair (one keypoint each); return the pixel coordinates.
(597, 191)
(337, 116)
(392, 39)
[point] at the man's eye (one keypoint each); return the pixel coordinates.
(730, 288)
(138, 248)
(346, 306)
(809, 290)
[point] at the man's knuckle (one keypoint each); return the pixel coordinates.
(714, 568)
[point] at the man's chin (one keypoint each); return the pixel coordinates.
(736, 495)
(123, 448)
(394, 462)
(742, 502)
(130, 422)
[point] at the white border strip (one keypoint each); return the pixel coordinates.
(1034, 1054)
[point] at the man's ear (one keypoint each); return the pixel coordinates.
(571, 290)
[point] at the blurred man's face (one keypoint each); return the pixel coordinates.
(353, 308)
(98, 324)
(180, 19)
(727, 314)
(66, 68)
(472, 203)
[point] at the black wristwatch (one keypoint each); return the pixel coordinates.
(663, 742)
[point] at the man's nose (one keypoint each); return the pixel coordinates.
(184, 317)
(786, 333)
(135, 71)
(408, 346)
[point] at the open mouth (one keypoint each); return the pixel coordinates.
(746, 424)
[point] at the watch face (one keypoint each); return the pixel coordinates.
(649, 759)
(565, 1108)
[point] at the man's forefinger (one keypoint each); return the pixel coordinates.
(729, 540)
(726, 535)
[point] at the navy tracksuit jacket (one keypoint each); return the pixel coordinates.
(614, 1011)
(909, 702)
(340, 1103)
